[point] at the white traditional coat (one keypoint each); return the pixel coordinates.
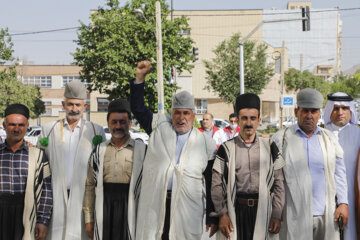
(188, 192)
(67, 218)
(134, 189)
(298, 218)
(349, 139)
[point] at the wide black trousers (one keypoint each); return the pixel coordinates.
(166, 229)
(245, 221)
(115, 224)
(11, 216)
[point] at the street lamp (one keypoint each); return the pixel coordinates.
(159, 55)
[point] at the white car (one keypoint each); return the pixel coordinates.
(134, 134)
(220, 123)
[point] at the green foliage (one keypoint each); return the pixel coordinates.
(347, 84)
(223, 70)
(116, 40)
(296, 80)
(196, 123)
(11, 90)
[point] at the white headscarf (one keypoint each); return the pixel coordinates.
(330, 107)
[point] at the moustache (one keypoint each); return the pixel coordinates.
(248, 127)
(118, 130)
(74, 113)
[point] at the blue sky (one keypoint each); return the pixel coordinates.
(54, 48)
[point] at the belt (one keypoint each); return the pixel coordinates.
(248, 201)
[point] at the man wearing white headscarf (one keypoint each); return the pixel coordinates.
(341, 118)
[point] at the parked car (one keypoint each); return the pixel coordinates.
(33, 134)
(33, 131)
(134, 134)
(220, 123)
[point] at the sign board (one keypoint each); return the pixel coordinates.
(287, 101)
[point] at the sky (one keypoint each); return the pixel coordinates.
(21, 16)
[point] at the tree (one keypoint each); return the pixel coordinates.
(222, 72)
(347, 84)
(296, 80)
(116, 40)
(12, 90)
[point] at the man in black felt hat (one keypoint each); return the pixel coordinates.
(113, 181)
(25, 185)
(249, 167)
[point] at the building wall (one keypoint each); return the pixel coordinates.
(54, 95)
(208, 29)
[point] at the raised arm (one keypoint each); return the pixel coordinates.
(141, 113)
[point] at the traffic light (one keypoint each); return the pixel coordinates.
(306, 19)
(195, 52)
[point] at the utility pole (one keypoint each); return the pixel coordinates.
(282, 72)
(241, 52)
(172, 9)
(159, 59)
(301, 62)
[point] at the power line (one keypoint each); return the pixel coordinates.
(45, 31)
(209, 15)
(260, 14)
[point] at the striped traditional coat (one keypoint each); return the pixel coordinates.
(97, 163)
(270, 160)
(37, 171)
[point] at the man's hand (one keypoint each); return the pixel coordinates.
(213, 229)
(143, 68)
(225, 225)
(342, 211)
(90, 230)
(40, 231)
(274, 225)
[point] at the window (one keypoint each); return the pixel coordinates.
(48, 112)
(47, 103)
(201, 106)
(67, 79)
(184, 32)
(39, 81)
(324, 70)
(278, 65)
(103, 104)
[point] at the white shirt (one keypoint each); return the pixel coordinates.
(71, 142)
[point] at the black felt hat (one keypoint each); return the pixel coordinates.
(17, 108)
(247, 100)
(119, 105)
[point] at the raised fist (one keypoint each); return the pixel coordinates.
(143, 68)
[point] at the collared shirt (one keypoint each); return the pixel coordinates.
(180, 142)
(247, 166)
(13, 177)
(71, 142)
(118, 164)
(210, 132)
(315, 162)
